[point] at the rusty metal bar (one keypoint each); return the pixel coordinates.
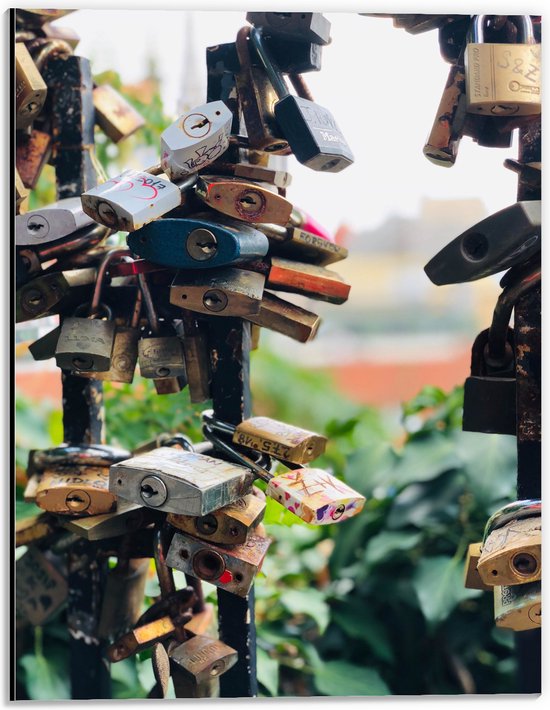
(230, 341)
(527, 335)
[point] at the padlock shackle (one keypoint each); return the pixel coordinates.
(236, 456)
(275, 77)
(522, 22)
(149, 305)
(518, 510)
(101, 272)
(164, 573)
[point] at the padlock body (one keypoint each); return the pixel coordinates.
(503, 79)
(313, 134)
(161, 357)
(280, 440)
(30, 88)
(40, 589)
(78, 491)
(114, 115)
(518, 607)
(315, 496)
(204, 658)
(232, 569)
(85, 344)
(490, 405)
(512, 554)
(123, 357)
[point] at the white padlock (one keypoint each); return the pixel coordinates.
(48, 224)
(196, 139)
(132, 199)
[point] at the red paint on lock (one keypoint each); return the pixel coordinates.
(226, 577)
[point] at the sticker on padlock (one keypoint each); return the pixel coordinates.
(40, 588)
(76, 491)
(310, 129)
(176, 481)
(196, 139)
(296, 243)
(301, 26)
(117, 118)
(502, 240)
(511, 547)
(132, 199)
(50, 223)
(232, 569)
(503, 79)
(286, 318)
(518, 607)
(229, 525)
(198, 242)
(243, 200)
(30, 87)
(269, 436)
(219, 292)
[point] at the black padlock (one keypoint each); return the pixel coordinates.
(310, 129)
(490, 392)
(301, 26)
(294, 56)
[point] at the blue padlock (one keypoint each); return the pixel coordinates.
(197, 243)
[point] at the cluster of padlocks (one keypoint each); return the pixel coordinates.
(210, 235)
(492, 89)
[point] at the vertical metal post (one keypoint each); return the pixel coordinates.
(70, 87)
(229, 340)
(527, 334)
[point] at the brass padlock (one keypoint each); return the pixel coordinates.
(232, 569)
(40, 587)
(518, 607)
(293, 242)
(76, 491)
(286, 318)
(511, 547)
(197, 664)
(503, 79)
(31, 154)
(21, 195)
(472, 580)
(114, 115)
(197, 357)
(128, 517)
(30, 87)
(229, 525)
(140, 638)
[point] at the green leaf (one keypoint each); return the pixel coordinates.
(424, 459)
(357, 621)
(383, 546)
(45, 678)
(310, 602)
(268, 672)
(124, 676)
(26, 510)
(342, 678)
(439, 585)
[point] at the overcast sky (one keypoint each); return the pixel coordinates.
(381, 84)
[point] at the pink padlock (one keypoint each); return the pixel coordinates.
(308, 224)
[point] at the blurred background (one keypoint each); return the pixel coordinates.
(376, 605)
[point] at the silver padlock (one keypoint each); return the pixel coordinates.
(50, 223)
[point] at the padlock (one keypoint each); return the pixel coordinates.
(128, 517)
(123, 596)
(313, 495)
(21, 195)
(286, 318)
(31, 154)
(301, 218)
(301, 26)
(117, 118)
(198, 242)
(34, 529)
(503, 79)
(511, 547)
(310, 129)
(37, 298)
(472, 580)
(489, 398)
(441, 147)
(201, 622)
(305, 279)
(87, 343)
(229, 525)
(197, 357)
(195, 140)
(197, 665)
(250, 171)
(502, 240)
(78, 490)
(232, 569)
(221, 66)
(29, 494)
(40, 586)
(218, 292)
(30, 87)
(132, 199)
(140, 638)
(243, 200)
(297, 243)
(257, 98)
(294, 56)
(178, 481)
(518, 607)
(269, 436)
(50, 223)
